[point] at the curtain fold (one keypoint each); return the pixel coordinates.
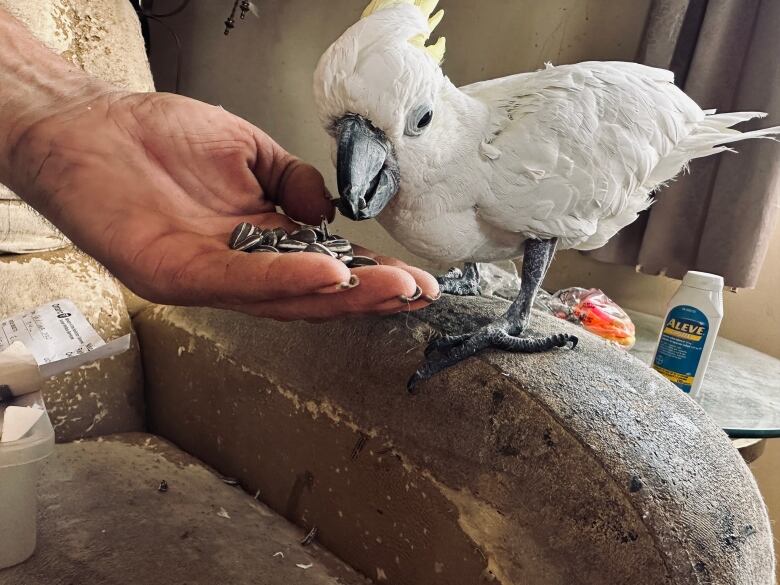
(719, 217)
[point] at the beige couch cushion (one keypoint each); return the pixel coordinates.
(576, 467)
(23, 230)
(102, 521)
(105, 397)
(102, 37)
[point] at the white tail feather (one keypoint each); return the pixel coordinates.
(708, 138)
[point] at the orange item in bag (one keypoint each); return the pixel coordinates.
(596, 312)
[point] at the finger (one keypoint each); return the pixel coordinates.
(426, 281)
(410, 308)
(303, 196)
(241, 277)
(379, 292)
(290, 183)
(185, 270)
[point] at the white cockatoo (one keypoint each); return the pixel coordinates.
(565, 156)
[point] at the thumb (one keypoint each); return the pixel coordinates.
(297, 187)
(302, 194)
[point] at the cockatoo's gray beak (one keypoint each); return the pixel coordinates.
(366, 170)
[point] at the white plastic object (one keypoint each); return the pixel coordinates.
(20, 464)
(690, 328)
(18, 421)
(19, 372)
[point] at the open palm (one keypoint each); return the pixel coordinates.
(151, 185)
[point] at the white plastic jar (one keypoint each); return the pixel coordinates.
(20, 465)
(685, 343)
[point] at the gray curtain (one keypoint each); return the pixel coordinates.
(721, 216)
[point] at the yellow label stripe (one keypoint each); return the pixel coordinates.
(674, 376)
(681, 335)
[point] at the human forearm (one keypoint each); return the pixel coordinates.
(34, 82)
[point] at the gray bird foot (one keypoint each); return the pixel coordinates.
(453, 349)
(456, 282)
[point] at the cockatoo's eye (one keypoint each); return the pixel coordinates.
(418, 120)
(425, 120)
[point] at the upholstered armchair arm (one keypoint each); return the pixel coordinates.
(576, 467)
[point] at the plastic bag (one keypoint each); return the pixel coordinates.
(499, 279)
(593, 310)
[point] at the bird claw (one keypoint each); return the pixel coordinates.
(444, 343)
(455, 282)
(456, 348)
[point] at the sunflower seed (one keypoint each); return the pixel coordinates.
(338, 246)
(307, 235)
(241, 233)
(307, 238)
(247, 244)
(309, 538)
(324, 228)
(269, 238)
(263, 248)
(363, 261)
(291, 246)
(320, 249)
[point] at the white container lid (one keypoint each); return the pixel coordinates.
(703, 281)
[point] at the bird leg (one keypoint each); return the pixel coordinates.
(462, 283)
(504, 333)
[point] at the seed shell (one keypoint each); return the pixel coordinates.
(324, 228)
(338, 246)
(269, 238)
(291, 246)
(319, 249)
(241, 233)
(363, 261)
(307, 235)
(249, 243)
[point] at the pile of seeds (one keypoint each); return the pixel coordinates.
(251, 238)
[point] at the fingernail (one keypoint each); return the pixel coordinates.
(431, 299)
(417, 294)
(336, 288)
(351, 283)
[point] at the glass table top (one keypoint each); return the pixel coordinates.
(741, 390)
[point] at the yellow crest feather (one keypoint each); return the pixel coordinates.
(436, 51)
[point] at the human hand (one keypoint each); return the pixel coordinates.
(151, 185)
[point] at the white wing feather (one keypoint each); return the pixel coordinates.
(574, 151)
